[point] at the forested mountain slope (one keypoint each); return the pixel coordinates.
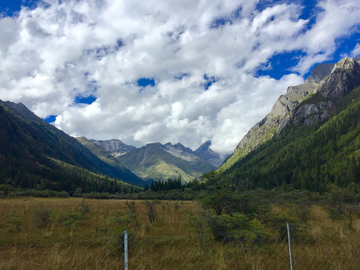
(32, 153)
(316, 144)
(105, 156)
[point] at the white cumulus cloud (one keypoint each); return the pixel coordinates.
(202, 56)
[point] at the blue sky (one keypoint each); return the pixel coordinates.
(168, 71)
(11, 7)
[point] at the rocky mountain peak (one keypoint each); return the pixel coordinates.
(346, 63)
(319, 73)
(180, 151)
(204, 147)
(344, 77)
(114, 147)
(209, 155)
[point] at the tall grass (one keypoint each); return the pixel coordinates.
(89, 241)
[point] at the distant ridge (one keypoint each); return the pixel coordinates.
(160, 162)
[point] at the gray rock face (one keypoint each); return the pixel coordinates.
(344, 77)
(209, 155)
(180, 151)
(319, 73)
(357, 58)
(308, 113)
(115, 147)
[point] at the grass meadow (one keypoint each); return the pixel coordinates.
(56, 233)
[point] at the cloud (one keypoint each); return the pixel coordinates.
(338, 19)
(356, 51)
(53, 54)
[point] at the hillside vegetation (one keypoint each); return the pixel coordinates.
(308, 156)
(33, 155)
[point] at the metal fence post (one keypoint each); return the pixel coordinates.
(290, 252)
(126, 250)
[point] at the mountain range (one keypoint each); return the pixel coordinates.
(35, 154)
(29, 140)
(156, 161)
(160, 162)
(309, 140)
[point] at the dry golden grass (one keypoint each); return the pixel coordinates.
(167, 244)
(169, 221)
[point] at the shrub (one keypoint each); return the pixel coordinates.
(348, 212)
(85, 208)
(42, 217)
(63, 194)
(131, 205)
(123, 223)
(78, 192)
(67, 219)
(14, 223)
(236, 228)
(151, 209)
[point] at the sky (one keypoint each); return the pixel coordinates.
(166, 71)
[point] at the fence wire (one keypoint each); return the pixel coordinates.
(314, 248)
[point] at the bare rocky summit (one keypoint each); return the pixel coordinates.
(343, 78)
(115, 147)
(180, 151)
(204, 151)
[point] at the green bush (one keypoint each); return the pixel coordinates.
(67, 219)
(236, 228)
(85, 208)
(42, 217)
(14, 223)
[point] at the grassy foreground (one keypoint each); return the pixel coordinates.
(88, 235)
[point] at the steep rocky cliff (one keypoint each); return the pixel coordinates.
(344, 77)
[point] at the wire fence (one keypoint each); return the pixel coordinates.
(309, 249)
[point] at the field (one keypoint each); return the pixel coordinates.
(71, 233)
